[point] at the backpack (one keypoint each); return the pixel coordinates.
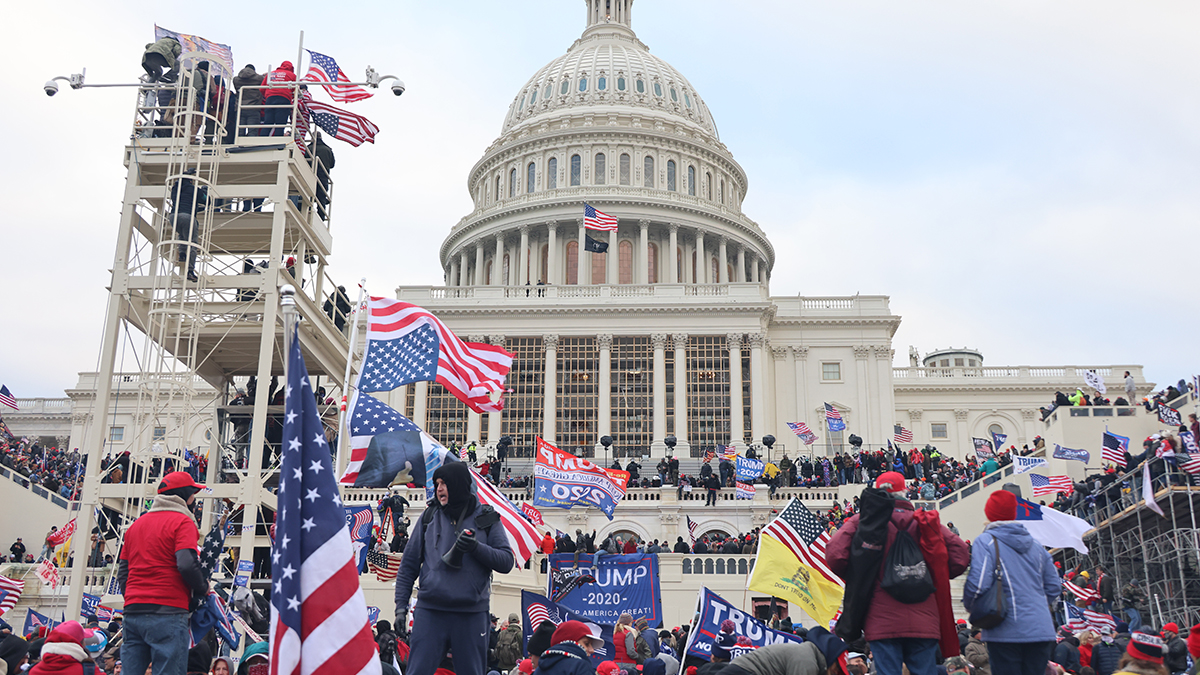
(508, 647)
(990, 608)
(905, 574)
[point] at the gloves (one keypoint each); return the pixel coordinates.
(401, 625)
(466, 541)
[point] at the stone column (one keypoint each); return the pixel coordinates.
(741, 265)
(758, 389)
(1028, 431)
(498, 263)
(800, 361)
(701, 263)
(762, 271)
(754, 270)
(863, 395)
(420, 402)
(886, 394)
(960, 432)
(737, 424)
(613, 258)
(604, 388)
(494, 418)
(643, 265)
(722, 258)
(779, 409)
(552, 252)
(453, 280)
(479, 269)
(464, 268)
(584, 275)
(523, 257)
(680, 342)
(550, 398)
(672, 257)
(918, 429)
(659, 341)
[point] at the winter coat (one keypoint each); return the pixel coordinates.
(783, 658)
(565, 658)
(1175, 656)
(651, 637)
(60, 658)
(247, 77)
(1105, 656)
(1031, 584)
(977, 654)
(888, 618)
(508, 646)
(1066, 654)
(169, 49)
(625, 642)
(276, 78)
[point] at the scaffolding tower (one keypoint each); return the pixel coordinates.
(220, 211)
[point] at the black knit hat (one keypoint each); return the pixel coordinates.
(539, 641)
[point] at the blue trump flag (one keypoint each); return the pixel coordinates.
(749, 469)
(998, 441)
(624, 583)
(537, 608)
(712, 611)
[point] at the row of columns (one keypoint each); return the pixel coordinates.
(462, 273)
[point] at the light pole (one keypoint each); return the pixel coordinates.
(606, 441)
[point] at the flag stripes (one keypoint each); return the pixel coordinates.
(598, 220)
(1043, 485)
(522, 535)
(10, 593)
(801, 532)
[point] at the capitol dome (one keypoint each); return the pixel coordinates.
(609, 125)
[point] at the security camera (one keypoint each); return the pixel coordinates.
(398, 87)
(51, 88)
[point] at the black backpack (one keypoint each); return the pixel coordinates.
(905, 574)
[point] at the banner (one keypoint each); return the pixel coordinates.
(712, 609)
(1188, 440)
(537, 608)
(749, 469)
(62, 535)
(998, 441)
(359, 521)
(983, 448)
(245, 567)
(372, 615)
(34, 621)
(624, 583)
(1025, 464)
(48, 573)
(532, 514)
(222, 54)
(1168, 415)
(743, 491)
(92, 607)
(1067, 453)
(1092, 379)
(562, 480)
(779, 573)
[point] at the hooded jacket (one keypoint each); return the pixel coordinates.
(1066, 654)
(63, 652)
(443, 588)
(1031, 584)
(784, 658)
(564, 658)
(1105, 657)
(274, 81)
(248, 77)
(169, 49)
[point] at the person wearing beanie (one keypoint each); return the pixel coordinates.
(650, 636)
(539, 641)
(1175, 658)
(508, 644)
(454, 549)
(162, 580)
(199, 659)
(1143, 656)
(1193, 643)
(572, 646)
(13, 652)
(62, 652)
(1106, 654)
(1024, 641)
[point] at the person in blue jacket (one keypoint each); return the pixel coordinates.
(1023, 642)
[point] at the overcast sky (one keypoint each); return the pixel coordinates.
(1019, 176)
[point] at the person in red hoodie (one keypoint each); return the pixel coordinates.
(278, 93)
(63, 652)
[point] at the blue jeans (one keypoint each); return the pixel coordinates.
(919, 654)
(276, 117)
(1019, 658)
(160, 640)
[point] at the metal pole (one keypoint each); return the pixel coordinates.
(287, 303)
(362, 289)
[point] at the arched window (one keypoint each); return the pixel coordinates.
(623, 169)
(657, 89)
(552, 173)
(648, 172)
(671, 175)
(504, 270)
(602, 83)
(512, 183)
(679, 264)
(549, 90)
(652, 264)
(600, 169)
(674, 96)
(522, 106)
(566, 86)
(544, 270)
(572, 262)
(530, 177)
(708, 185)
(533, 97)
(583, 84)
(576, 169)
(599, 268)
(620, 84)
(695, 280)
(625, 262)
(692, 181)
(640, 85)
(716, 270)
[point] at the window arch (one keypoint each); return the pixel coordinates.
(572, 262)
(533, 97)
(625, 262)
(692, 181)
(671, 175)
(583, 84)
(708, 185)
(623, 169)
(679, 264)
(552, 173)
(530, 177)
(576, 169)
(549, 90)
(648, 172)
(566, 86)
(620, 84)
(544, 268)
(640, 85)
(601, 83)
(652, 264)
(599, 177)
(512, 183)
(714, 277)
(504, 271)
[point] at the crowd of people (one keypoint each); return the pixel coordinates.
(56, 470)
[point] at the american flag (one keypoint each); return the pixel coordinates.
(902, 435)
(709, 455)
(1099, 621)
(539, 612)
(834, 418)
(1189, 462)
(10, 593)
(384, 565)
(523, 537)
(1114, 448)
(1080, 593)
(598, 220)
(803, 432)
(801, 532)
(342, 125)
(323, 68)
(728, 452)
(318, 614)
(368, 417)
(1076, 621)
(194, 43)
(534, 515)
(1046, 486)
(406, 343)
(7, 399)
(692, 527)
(211, 549)
(463, 454)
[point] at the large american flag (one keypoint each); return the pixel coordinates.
(318, 614)
(1046, 486)
(833, 418)
(322, 68)
(1115, 447)
(1189, 462)
(1080, 593)
(598, 220)
(902, 435)
(523, 537)
(10, 593)
(801, 532)
(728, 452)
(1076, 621)
(537, 612)
(7, 398)
(803, 432)
(384, 565)
(342, 125)
(406, 343)
(692, 527)
(1099, 621)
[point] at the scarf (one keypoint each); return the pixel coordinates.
(933, 547)
(171, 503)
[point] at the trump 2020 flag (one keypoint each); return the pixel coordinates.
(1052, 529)
(318, 614)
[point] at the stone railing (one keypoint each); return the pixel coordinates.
(716, 563)
(46, 406)
(1091, 411)
(1072, 374)
(58, 500)
(741, 291)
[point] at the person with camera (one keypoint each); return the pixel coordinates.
(455, 547)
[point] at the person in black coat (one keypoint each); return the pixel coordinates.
(1066, 653)
(681, 546)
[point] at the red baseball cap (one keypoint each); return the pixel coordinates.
(608, 668)
(176, 480)
(893, 480)
(574, 631)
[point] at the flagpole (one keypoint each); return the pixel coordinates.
(287, 303)
(300, 52)
(362, 289)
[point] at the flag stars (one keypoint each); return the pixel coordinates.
(316, 467)
(312, 495)
(288, 572)
(308, 524)
(293, 603)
